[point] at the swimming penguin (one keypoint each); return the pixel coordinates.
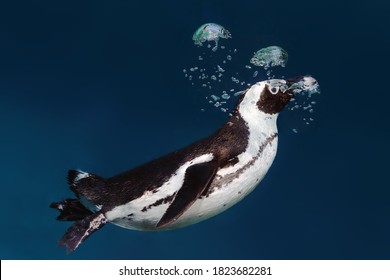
(186, 186)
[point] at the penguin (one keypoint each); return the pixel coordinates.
(188, 185)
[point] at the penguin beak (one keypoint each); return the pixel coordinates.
(301, 82)
(295, 80)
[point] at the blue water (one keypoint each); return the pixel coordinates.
(98, 85)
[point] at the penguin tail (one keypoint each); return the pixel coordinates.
(71, 210)
(88, 185)
(81, 230)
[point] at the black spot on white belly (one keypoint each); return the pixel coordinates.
(164, 200)
(231, 177)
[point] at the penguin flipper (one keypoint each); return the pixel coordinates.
(81, 230)
(197, 179)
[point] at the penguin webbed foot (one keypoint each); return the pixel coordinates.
(81, 230)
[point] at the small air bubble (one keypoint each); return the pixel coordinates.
(215, 97)
(225, 96)
(220, 69)
(235, 80)
(295, 130)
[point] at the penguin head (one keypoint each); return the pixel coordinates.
(277, 92)
(274, 96)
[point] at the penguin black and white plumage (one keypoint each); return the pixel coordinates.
(186, 186)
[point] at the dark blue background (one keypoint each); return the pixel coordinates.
(98, 85)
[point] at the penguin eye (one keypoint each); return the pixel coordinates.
(274, 90)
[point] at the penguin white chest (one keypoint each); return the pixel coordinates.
(231, 185)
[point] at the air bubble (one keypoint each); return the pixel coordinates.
(220, 69)
(235, 80)
(225, 96)
(214, 97)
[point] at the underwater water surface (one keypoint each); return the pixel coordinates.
(100, 87)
